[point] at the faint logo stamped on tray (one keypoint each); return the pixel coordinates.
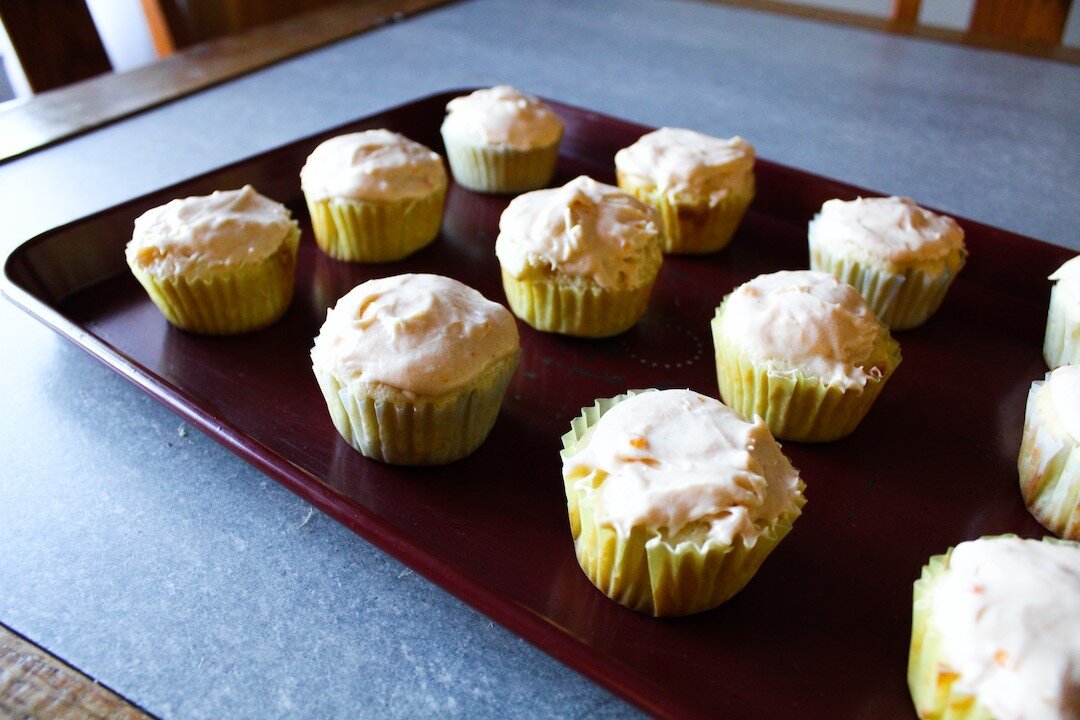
(663, 343)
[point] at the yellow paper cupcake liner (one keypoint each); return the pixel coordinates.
(900, 300)
(645, 572)
(931, 682)
(227, 301)
(583, 310)
(376, 231)
(793, 406)
(395, 429)
(1062, 343)
(1049, 469)
(694, 228)
(501, 170)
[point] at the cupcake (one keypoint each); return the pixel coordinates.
(901, 257)
(674, 499)
(413, 368)
(1062, 345)
(500, 140)
(700, 185)
(1049, 462)
(217, 264)
(996, 632)
(374, 196)
(804, 351)
(580, 259)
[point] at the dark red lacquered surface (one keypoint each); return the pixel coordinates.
(821, 632)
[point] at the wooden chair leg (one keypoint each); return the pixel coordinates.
(905, 13)
(160, 32)
(1029, 21)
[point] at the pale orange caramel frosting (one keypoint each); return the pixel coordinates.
(501, 116)
(804, 321)
(685, 163)
(893, 231)
(1008, 611)
(1067, 278)
(372, 165)
(583, 229)
(422, 334)
(668, 459)
(1058, 402)
(209, 232)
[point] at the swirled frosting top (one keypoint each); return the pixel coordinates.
(502, 116)
(1008, 611)
(685, 162)
(890, 230)
(675, 457)
(202, 233)
(804, 321)
(584, 229)
(372, 165)
(1063, 387)
(1068, 278)
(423, 334)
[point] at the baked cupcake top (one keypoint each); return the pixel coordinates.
(804, 321)
(891, 231)
(501, 116)
(583, 229)
(209, 232)
(686, 463)
(422, 334)
(1008, 611)
(1067, 278)
(685, 162)
(372, 165)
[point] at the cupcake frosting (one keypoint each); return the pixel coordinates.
(582, 229)
(1067, 278)
(681, 161)
(423, 334)
(804, 321)
(371, 165)
(1008, 611)
(675, 457)
(502, 116)
(1062, 386)
(893, 231)
(225, 228)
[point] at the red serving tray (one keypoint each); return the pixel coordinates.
(820, 632)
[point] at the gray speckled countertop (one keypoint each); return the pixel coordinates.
(162, 565)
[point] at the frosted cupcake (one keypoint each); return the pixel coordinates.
(901, 257)
(217, 264)
(1062, 345)
(1049, 461)
(996, 632)
(374, 196)
(804, 351)
(580, 259)
(700, 185)
(413, 368)
(674, 500)
(500, 140)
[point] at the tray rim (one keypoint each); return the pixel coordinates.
(518, 619)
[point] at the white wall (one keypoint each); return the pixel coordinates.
(124, 32)
(952, 14)
(12, 70)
